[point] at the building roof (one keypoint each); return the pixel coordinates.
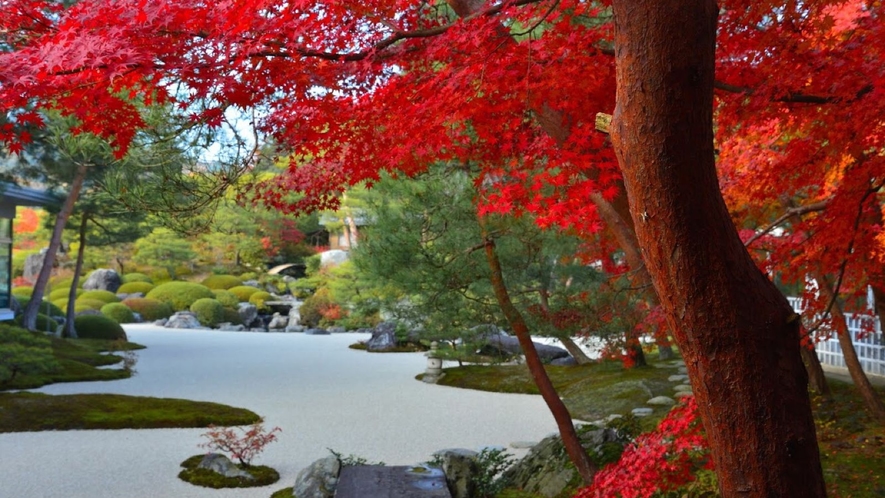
(24, 196)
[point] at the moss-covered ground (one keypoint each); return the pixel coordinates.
(852, 443)
(206, 478)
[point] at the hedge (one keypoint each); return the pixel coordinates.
(98, 327)
(149, 309)
(118, 312)
(133, 287)
(104, 296)
(243, 292)
(209, 311)
(222, 282)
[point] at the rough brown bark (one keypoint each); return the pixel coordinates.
(29, 320)
(69, 330)
(570, 439)
(736, 331)
(855, 369)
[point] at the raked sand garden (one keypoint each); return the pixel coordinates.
(318, 391)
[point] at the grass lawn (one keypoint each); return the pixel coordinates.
(852, 444)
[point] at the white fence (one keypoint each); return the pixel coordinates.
(870, 346)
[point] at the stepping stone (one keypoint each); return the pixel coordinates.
(661, 401)
(613, 416)
(678, 378)
(684, 394)
(642, 412)
(378, 481)
(683, 370)
(682, 387)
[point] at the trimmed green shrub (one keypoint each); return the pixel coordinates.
(160, 276)
(209, 311)
(118, 312)
(23, 291)
(232, 316)
(180, 295)
(312, 307)
(259, 298)
(136, 277)
(243, 292)
(46, 307)
(86, 303)
(222, 281)
(133, 287)
(249, 275)
(43, 324)
(101, 295)
(149, 309)
(98, 327)
(57, 282)
(226, 298)
(62, 293)
(62, 303)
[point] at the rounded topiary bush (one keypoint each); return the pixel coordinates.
(149, 309)
(87, 303)
(259, 298)
(209, 311)
(136, 277)
(118, 312)
(243, 292)
(98, 327)
(65, 282)
(232, 316)
(104, 296)
(133, 287)
(62, 293)
(226, 298)
(23, 291)
(222, 281)
(46, 307)
(180, 295)
(43, 324)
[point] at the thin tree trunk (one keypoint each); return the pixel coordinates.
(736, 331)
(855, 369)
(570, 439)
(29, 319)
(69, 329)
(573, 349)
(817, 381)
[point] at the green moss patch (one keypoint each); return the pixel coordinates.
(209, 479)
(27, 412)
(283, 493)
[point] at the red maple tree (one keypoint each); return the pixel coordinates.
(512, 87)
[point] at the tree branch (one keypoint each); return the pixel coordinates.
(793, 211)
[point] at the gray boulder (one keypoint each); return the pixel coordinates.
(161, 322)
(319, 479)
(316, 332)
(460, 468)
(383, 337)
(184, 320)
(294, 327)
(295, 314)
(337, 330)
(248, 313)
(278, 322)
(229, 327)
(567, 361)
(508, 345)
(252, 283)
(103, 279)
(33, 265)
(222, 465)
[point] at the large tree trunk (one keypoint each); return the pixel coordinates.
(29, 320)
(69, 329)
(855, 369)
(561, 415)
(736, 331)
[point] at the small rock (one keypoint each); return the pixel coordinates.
(222, 465)
(684, 394)
(613, 416)
(682, 387)
(278, 322)
(641, 412)
(316, 332)
(567, 361)
(661, 401)
(294, 328)
(683, 370)
(184, 320)
(161, 322)
(229, 327)
(678, 378)
(103, 279)
(337, 330)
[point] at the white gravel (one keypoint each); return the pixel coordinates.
(322, 394)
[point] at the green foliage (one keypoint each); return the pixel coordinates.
(163, 248)
(149, 309)
(91, 304)
(491, 462)
(65, 282)
(221, 282)
(18, 260)
(209, 311)
(23, 291)
(243, 292)
(136, 277)
(118, 312)
(46, 307)
(133, 287)
(98, 327)
(63, 293)
(226, 298)
(259, 298)
(206, 478)
(24, 353)
(100, 295)
(43, 323)
(180, 295)
(311, 310)
(352, 460)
